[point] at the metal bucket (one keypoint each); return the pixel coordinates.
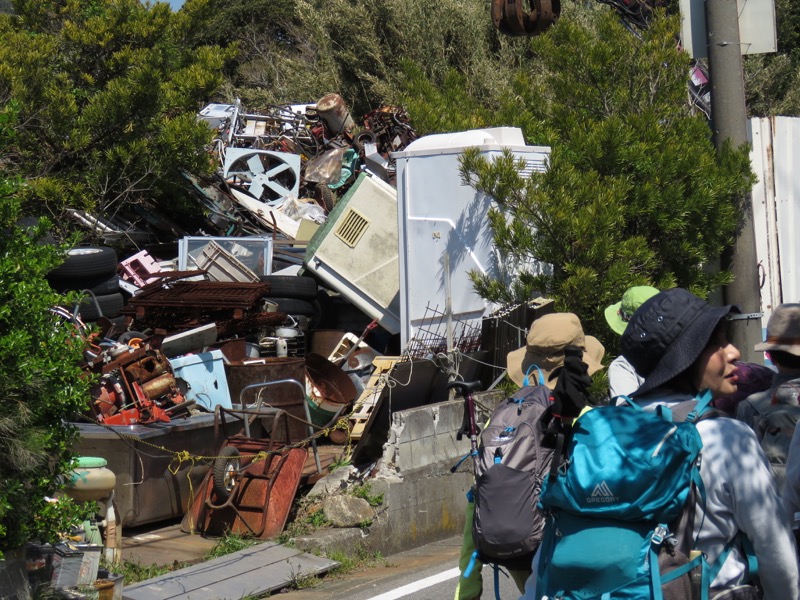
(287, 397)
(329, 389)
(334, 112)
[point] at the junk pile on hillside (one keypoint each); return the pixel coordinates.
(233, 368)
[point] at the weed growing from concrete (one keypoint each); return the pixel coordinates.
(305, 516)
(229, 543)
(134, 572)
(365, 492)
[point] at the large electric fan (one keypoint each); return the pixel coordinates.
(265, 175)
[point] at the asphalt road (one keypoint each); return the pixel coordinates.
(426, 573)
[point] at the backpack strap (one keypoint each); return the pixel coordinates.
(628, 401)
(693, 411)
(539, 379)
(659, 538)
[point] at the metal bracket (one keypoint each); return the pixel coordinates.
(746, 317)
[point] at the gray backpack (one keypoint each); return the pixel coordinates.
(775, 430)
(511, 465)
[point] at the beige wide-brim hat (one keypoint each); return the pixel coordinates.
(544, 348)
(783, 330)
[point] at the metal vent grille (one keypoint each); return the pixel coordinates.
(531, 167)
(352, 228)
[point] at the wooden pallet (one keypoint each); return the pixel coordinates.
(368, 400)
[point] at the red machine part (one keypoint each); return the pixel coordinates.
(144, 411)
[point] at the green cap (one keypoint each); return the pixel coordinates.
(618, 315)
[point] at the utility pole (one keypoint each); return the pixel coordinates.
(729, 123)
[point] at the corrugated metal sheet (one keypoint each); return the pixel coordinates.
(776, 208)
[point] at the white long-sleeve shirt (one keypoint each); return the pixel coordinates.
(740, 495)
(623, 379)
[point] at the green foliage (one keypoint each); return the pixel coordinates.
(365, 492)
(41, 384)
(134, 572)
(229, 543)
(772, 81)
(634, 192)
(300, 50)
(108, 92)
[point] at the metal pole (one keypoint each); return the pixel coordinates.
(729, 122)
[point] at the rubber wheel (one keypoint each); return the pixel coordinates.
(99, 284)
(364, 136)
(82, 263)
(325, 197)
(294, 306)
(111, 305)
(226, 471)
(290, 286)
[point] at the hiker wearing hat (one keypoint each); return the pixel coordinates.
(547, 338)
(623, 379)
(774, 413)
(678, 343)
(782, 347)
(533, 364)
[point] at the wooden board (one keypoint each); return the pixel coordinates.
(369, 397)
(256, 571)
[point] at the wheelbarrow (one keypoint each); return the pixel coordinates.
(255, 476)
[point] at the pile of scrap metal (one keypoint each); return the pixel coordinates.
(292, 163)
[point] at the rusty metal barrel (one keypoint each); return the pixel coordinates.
(334, 112)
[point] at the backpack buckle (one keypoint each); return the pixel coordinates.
(660, 534)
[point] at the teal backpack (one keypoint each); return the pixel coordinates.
(621, 508)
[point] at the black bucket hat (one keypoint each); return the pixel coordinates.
(667, 334)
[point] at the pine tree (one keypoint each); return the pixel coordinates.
(634, 193)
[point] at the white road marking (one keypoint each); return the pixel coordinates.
(406, 590)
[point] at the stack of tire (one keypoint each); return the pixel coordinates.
(294, 294)
(91, 268)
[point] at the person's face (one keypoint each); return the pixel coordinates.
(714, 368)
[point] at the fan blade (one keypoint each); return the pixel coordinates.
(255, 165)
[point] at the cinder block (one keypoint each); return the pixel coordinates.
(419, 423)
(423, 452)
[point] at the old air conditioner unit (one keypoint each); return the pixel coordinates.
(356, 252)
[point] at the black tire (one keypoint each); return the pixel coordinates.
(85, 262)
(364, 136)
(291, 286)
(294, 306)
(110, 306)
(325, 197)
(100, 284)
(225, 472)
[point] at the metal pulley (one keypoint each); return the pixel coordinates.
(512, 18)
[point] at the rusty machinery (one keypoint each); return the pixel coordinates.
(533, 17)
(513, 17)
(136, 385)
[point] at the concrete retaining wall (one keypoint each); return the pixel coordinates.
(423, 500)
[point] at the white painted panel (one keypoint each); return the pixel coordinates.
(757, 33)
(776, 208)
(763, 198)
(786, 144)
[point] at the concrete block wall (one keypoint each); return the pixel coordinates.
(423, 500)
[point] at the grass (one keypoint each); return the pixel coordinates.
(365, 492)
(135, 572)
(229, 543)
